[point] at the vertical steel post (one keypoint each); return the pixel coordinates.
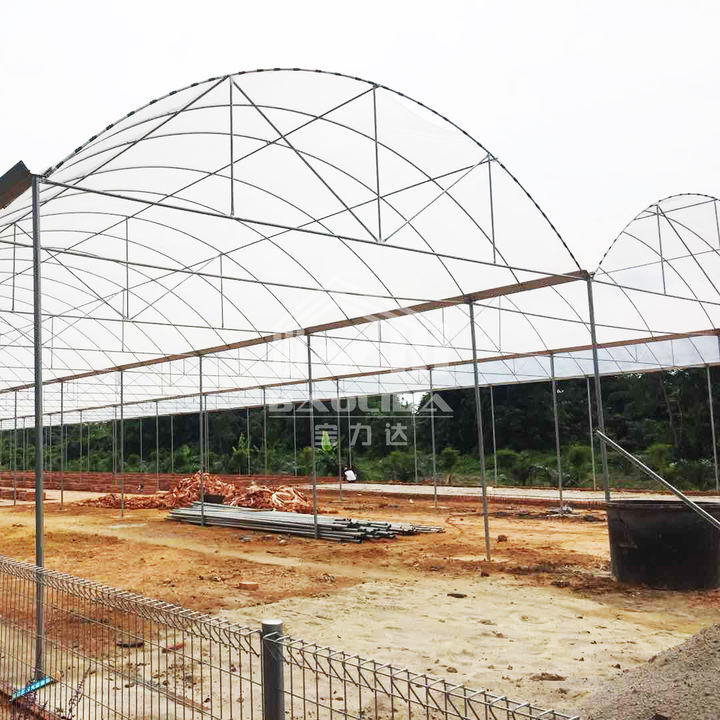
(494, 441)
(712, 429)
(592, 434)
(412, 415)
(247, 426)
(39, 480)
(349, 437)
(598, 389)
(201, 443)
(172, 444)
(313, 475)
(114, 448)
(432, 438)
(157, 447)
(553, 387)
(339, 456)
(206, 418)
(295, 440)
(141, 446)
(481, 441)
(265, 447)
(273, 682)
(50, 436)
(62, 444)
(122, 443)
(15, 446)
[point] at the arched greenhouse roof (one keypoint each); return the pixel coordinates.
(231, 220)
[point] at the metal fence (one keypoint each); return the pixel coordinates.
(95, 652)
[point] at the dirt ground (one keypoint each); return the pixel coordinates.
(545, 604)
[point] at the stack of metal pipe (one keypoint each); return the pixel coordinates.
(329, 527)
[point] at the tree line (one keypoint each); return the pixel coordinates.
(664, 417)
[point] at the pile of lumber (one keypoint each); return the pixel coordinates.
(187, 491)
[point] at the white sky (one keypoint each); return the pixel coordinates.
(599, 108)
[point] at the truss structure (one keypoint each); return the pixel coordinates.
(197, 248)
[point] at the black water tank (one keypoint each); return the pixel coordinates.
(664, 544)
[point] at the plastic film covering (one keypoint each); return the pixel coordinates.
(244, 216)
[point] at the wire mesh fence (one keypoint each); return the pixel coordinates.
(323, 683)
(74, 649)
(106, 653)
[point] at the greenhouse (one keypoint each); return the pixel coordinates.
(295, 240)
(270, 236)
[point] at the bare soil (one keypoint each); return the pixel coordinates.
(546, 606)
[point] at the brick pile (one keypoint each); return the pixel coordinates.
(188, 490)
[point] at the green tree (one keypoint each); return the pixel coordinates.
(448, 461)
(579, 462)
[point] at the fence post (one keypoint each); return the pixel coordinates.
(273, 685)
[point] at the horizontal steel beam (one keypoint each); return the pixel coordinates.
(411, 368)
(542, 282)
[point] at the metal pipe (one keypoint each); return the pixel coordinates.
(249, 447)
(157, 447)
(494, 442)
(80, 445)
(339, 456)
(39, 480)
(598, 389)
(294, 416)
(62, 444)
(432, 438)
(114, 449)
(638, 463)
(481, 442)
(15, 444)
(313, 474)
(414, 431)
(350, 439)
(122, 443)
(207, 435)
(201, 443)
(265, 447)
(592, 433)
(712, 429)
(172, 444)
(553, 386)
(273, 683)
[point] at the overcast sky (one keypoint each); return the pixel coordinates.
(599, 108)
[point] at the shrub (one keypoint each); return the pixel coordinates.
(400, 466)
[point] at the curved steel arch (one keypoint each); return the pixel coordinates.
(453, 232)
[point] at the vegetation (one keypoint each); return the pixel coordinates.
(663, 417)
